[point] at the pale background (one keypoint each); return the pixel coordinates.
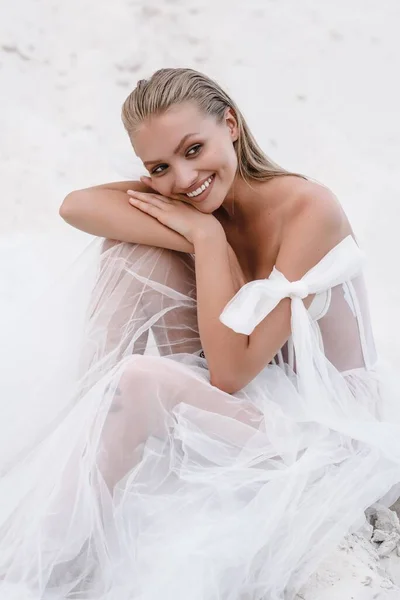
(317, 81)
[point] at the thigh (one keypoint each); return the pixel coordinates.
(149, 396)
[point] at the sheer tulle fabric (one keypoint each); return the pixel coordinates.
(126, 475)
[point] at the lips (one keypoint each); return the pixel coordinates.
(203, 194)
(191, 193)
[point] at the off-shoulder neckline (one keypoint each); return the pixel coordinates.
(348, 239)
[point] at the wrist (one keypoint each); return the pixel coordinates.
(209, 234)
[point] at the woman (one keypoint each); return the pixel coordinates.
(229, 422)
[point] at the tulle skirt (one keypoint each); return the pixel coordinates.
(125, 475)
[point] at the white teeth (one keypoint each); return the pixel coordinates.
(200, 189)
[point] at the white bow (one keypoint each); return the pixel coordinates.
(255, 300)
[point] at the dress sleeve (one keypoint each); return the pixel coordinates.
(257, 299)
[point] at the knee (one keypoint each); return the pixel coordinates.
(141, 383)
(169, 267)
(139, 372)
(137, 251)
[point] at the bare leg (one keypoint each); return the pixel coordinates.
(147, 392)
(145, 302)
(140, 288)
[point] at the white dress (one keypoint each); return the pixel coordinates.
(126, 476)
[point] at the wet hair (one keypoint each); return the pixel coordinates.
(169, 87)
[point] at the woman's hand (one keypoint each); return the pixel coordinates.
(175, 214)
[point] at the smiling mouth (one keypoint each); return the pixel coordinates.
(201, 189)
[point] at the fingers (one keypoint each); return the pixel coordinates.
(151, 204)
(146, 207)
(154, 199)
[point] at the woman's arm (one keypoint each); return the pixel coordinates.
(235, 359)
(215, 286)
(104, 211)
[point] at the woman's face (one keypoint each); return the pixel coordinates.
(189, 155)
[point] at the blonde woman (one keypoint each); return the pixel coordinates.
(230, 422)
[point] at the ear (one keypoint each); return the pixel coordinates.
(231, 123)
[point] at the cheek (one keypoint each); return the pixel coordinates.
(221, 158)
(233, 157)
(161, 185)
(227, 156)
(229, 162)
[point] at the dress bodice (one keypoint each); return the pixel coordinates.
(342, 323)
(339, 313)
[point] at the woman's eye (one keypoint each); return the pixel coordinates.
(159, 169)
(193, 150)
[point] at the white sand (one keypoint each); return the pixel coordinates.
(317, 81)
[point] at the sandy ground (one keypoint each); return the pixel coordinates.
(317, 81)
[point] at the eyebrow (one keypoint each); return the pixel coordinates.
(177, 149)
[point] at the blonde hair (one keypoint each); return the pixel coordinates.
(167, 87)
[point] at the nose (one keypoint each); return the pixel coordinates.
(185, 177)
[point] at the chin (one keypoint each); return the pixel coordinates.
(209, 207)
(210, 211)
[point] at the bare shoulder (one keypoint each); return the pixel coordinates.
(314, 222)
(311, 201)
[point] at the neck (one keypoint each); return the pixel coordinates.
(245, 199)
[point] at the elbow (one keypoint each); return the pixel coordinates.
(68, 207)
(229, 375)
(227, 383)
